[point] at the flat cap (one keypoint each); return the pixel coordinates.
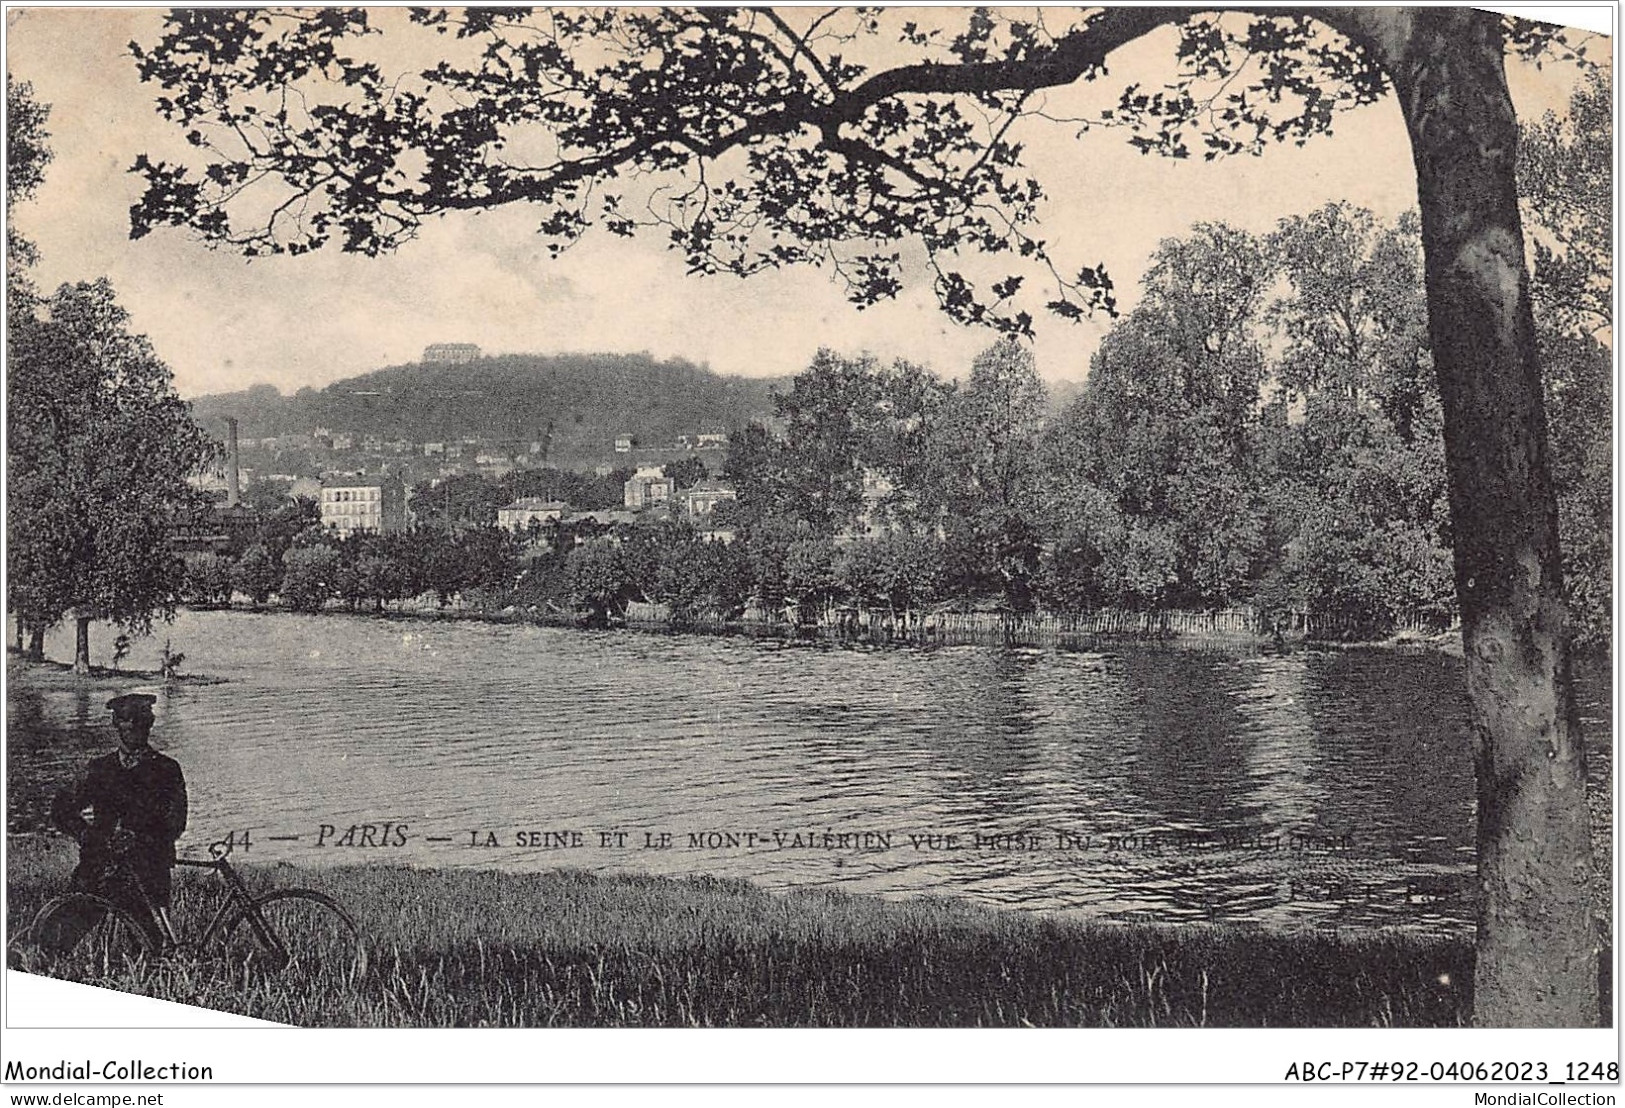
(132, 702)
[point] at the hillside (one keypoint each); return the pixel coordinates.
(588, 399)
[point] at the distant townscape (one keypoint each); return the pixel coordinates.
(457, 412)
(436, 460)
(377, 442)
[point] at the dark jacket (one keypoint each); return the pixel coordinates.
(146, 800)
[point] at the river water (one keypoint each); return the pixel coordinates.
(1301, 789)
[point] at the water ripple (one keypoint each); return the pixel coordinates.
(1293, 790)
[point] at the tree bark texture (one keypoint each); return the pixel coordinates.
(1537, 941)
(81, 644)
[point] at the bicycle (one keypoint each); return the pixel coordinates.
(278, 929)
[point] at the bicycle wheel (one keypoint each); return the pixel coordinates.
(297, 928)
(92, 930)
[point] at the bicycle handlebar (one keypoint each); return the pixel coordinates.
(218, 852)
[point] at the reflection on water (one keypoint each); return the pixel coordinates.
(1288, 790)
(1283, 758)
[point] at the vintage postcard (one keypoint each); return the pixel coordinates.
(867, 518)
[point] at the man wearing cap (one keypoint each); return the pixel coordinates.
(136, 798)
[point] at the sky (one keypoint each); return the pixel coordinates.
(224, 323)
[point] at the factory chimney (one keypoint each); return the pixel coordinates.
(234, 490)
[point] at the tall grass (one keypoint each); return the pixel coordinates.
(476, 949)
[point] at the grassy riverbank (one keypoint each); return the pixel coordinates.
(462, 948)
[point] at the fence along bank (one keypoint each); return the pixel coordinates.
(1045, 628)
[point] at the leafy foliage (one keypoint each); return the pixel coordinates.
(988, 465)
(208, 580)
(747, 138)
(27, 154)
(255, 574)
(1565, 167)
(1264, 428)
(98, 450)
(598, 581)
(1165, 435)
(28, 151)
(752, 139)
(310, 577)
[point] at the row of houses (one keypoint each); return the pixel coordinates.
(356, 502)
(477, 449)
(649, 487)
(481, 450)
(708, 440)
(491, 458)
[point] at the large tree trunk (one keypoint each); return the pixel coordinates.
(36, 643)
(1537, 942)
(81, 644)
